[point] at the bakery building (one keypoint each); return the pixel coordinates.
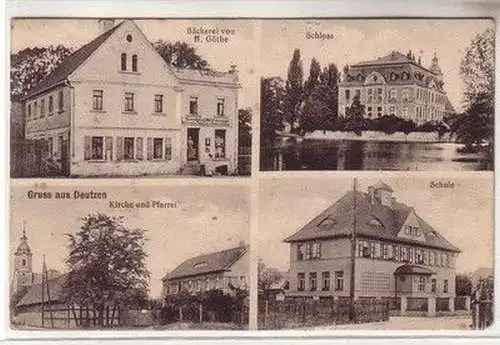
(115, 108)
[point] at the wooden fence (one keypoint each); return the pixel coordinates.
(307, 312)
(199, 313)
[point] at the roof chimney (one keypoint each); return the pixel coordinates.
(241, 243)
(233, 69)
(105, 24)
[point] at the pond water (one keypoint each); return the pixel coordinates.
(367, 155)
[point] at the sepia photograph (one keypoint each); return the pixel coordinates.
(160, 257)
(111, 97)
(377, 94)
(376, 252)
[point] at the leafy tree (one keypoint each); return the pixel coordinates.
(30, 66)
(106, 265)
(463, 285)
(294, 89)
(180, 55)
(272, 95)
(267, 276)
(313, 79)
(477, 68)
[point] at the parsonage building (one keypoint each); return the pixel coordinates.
(114, 107)
(397, 253)
(396, 85)
(215, 271)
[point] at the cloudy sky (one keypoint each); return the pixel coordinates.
(74, 33)
(208, 219)
(359, 40)
(463, 215)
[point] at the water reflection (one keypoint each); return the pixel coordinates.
(367, 155)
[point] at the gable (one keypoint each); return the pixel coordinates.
(411, 228)
(104, 64)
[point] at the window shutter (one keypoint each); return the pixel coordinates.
(139, 150)
(87, 154)
(109, 148)
(119, 148)
(150, 148)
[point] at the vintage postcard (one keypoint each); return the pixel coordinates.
(157, 257)
(375, 252)
(377, 94)
(131, 98)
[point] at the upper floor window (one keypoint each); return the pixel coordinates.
(220, 106)
(97, 100)
(61, 101)
(51, 105)
(193, 105)
(35, 109)
(445, 286)
(42, 108)
(158, 103)
(313, 281)
(348, 94)
(129, 101)
(124, 62)
(393, 93)
(134, 63)
(308, 251)
(433, 285)
(24, 262)
(29, 112)
(363, 249)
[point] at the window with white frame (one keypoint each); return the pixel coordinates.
(128, 148)
(129, 102)
(97, 99)
(158, 103)
(339, 280)
(220, 106)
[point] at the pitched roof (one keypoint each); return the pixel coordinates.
(393, 57)
(71, 63)
(34, 293)
(208, 263)
(340, 221)
(413, 269)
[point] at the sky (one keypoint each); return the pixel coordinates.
(463, 215)
(207, 219)
(240, 50)
(354, 41)
(359, 40)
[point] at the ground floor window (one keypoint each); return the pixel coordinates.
(313, 281)
(301, 281)
(421, 284)
(97, 148)
(128, 148)
(158, 148)
(326, 281)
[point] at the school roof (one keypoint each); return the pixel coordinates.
(373, 220)
(208, 263)
(34, 294)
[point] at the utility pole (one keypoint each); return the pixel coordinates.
(352, 288)
(43, 292)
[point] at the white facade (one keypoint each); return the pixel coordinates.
(124, 109)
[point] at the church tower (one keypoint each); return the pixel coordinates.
(23, 266)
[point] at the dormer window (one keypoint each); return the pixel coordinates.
(200, 264)
(124, 62)
(375, 222)
(327, 223)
